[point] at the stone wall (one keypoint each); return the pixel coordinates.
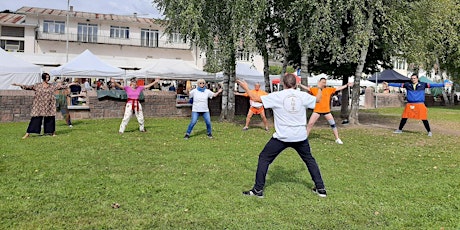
(16, 105)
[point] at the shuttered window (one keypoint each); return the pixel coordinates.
(13, 31)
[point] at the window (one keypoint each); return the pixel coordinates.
(243, 56)
(119, 32)
(9, 31)
(176, 38)
(400, 63)
(149, 38)
(87, 33)
(53, 27)
(12, 46)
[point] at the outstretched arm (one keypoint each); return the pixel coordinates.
(252, 95)
(153, 83)
(27, 87)
(349, 84)
(116, 83)
(435, 85)
(307, 88)
(217, 93)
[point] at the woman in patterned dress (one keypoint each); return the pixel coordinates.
(43, 107)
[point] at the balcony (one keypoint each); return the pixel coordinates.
(162, 42)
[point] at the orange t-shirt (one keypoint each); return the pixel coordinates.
(324, 105)
(257, 92)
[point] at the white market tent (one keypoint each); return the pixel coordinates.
(248, 72)
(16, 70)
(87, 65)
(172, 69)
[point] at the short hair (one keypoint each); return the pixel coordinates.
(414, 74)
(290, 80)
(201, 80)
(44, 75)
(323, 78)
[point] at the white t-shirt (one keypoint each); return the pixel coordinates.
(200, 100)
(290, 113)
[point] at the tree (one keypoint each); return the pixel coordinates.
(218, 27)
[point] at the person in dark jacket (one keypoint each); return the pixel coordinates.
(415, 107)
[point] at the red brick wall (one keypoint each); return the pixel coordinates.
(15, 105)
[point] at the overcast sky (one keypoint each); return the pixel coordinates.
(143, 8)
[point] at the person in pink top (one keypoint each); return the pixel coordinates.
(132, 105)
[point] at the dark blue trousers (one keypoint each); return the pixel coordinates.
(273, 148)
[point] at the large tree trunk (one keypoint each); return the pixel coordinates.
(344, 111)
(228, 96)
(353, 118)
(305, 72)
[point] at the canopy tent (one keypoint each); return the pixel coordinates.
(388, 75)
(434, 91)
(16, 70)
(87, 65)
(247, 72)
(172, 69)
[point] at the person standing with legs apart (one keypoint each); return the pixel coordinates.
(255, 107)
(200, 96)
(61, 103)
(415, 107)
(323, 108)
(290, 116)
(132, 105)
(43, 106)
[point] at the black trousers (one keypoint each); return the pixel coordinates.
(35, 125)
(273, 148)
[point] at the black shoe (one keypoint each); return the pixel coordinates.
(321, 191)
(210, 135)
(186, 137)
(254, 192)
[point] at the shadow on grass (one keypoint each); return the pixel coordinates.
(280, 174)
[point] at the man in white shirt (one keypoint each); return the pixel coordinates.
(290, 117)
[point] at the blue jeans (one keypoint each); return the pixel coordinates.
(207, 120)
(273, 148)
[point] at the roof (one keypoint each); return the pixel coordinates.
(10, 18)
(86, 15)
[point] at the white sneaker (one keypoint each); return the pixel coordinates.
(70, 126)
(338, 141)
(430, 134)
(398, 131)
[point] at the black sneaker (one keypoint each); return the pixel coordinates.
(254, 192)
(187, 136)
(209, 135)
(321, 191)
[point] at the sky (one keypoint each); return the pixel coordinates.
(143, 8)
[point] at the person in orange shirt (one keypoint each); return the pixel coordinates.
(324, 106)
(256, 107)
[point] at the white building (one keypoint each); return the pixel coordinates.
(51, 37)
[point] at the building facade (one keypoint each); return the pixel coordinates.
(51, 37)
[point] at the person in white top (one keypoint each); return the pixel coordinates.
(200, 96)
(290, 117)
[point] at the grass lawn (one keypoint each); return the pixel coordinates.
(376, 180)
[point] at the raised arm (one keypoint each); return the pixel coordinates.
(307, 88)
(116, 83)
(217, 93)
(252, 95)
(349, 84)
(153, 83)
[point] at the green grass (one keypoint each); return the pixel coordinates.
(376, 180)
